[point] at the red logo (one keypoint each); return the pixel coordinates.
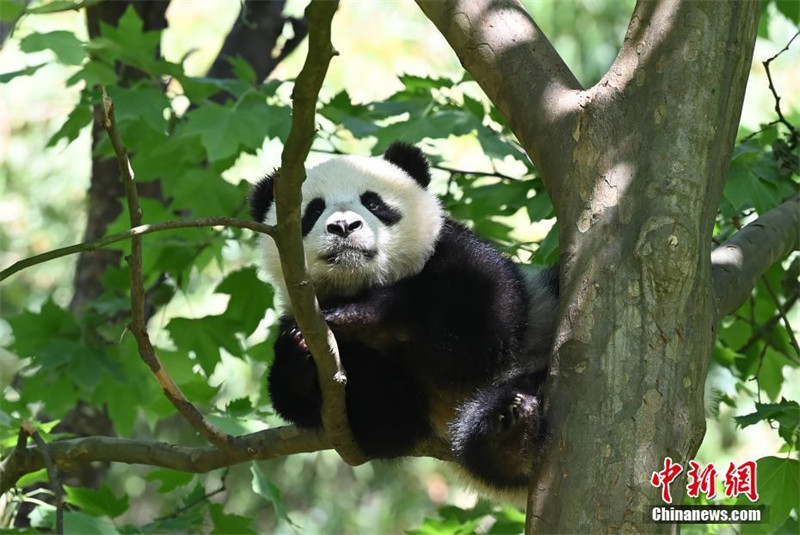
(665, 477)
(741, 480)
(704, 480)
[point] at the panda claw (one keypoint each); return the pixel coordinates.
(297, 336)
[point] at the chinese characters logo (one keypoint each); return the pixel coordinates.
(739, 480)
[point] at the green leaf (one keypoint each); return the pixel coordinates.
(778, 485)
(790, 8)
(205, 336)
(142, 101)
(454, 520)
(10, 10)
(770, 376)
(242, 69)
(33, 332)
(264, 487)
(228, 523)
(245, 124)
(97, 502)
(94, 73)
(239, 407)
(250, 298)
(27, 480)
(437, 124)
(128, 34)
(205, 193)
(67, 48)
(27, 71)
(358, 119)
(78, 119)
(786, 414)
(57, 6)
(44, 516)
(170, 479)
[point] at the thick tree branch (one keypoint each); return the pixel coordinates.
(136, 231)
(522, 74)
(138, 325)
(288, 197)
(253, 37)
(739, 262)
(262, 445)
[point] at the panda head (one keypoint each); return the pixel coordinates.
(366, 222)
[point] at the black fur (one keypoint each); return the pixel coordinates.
(446, 352)
(437, 337)
(411, 160)
(313, 210)
(261, 196)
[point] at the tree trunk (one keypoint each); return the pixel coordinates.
(635, 166)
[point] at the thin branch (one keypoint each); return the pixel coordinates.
(766, 327)
(520, 71)
(739, 262)
(777, 97)
(263, 445)
(782, 314)
(136, 231)
(138, 326)
(52, 474)
(288, 196)
(204, 498)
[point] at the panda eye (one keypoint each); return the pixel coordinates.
(385, 213)
(312, 213)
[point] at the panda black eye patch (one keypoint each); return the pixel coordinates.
(312, 213)
(375, 204)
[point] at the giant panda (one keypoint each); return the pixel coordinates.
(440, 334)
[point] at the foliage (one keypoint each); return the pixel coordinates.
(186, 141)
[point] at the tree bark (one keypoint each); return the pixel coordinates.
(635, 166)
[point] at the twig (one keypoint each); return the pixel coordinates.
(177, 512)
(767, 326)
(288, 196)
(782, 314)
(766, 63)
(136, 231)
(138, 325)
(55, 482)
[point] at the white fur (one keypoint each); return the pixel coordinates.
(402, 249)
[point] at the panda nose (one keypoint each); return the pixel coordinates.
(342, 228)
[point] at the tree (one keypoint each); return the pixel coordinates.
(636, 167)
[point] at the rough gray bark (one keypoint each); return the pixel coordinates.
(635, 166)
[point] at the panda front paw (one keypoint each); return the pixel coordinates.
(292, 380)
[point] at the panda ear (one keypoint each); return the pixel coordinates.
(411, 160)
(261, 196)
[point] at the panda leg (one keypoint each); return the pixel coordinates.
(498, 431)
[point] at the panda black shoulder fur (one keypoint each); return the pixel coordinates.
(440, 334)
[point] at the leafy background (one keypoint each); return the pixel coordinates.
(395, 78)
